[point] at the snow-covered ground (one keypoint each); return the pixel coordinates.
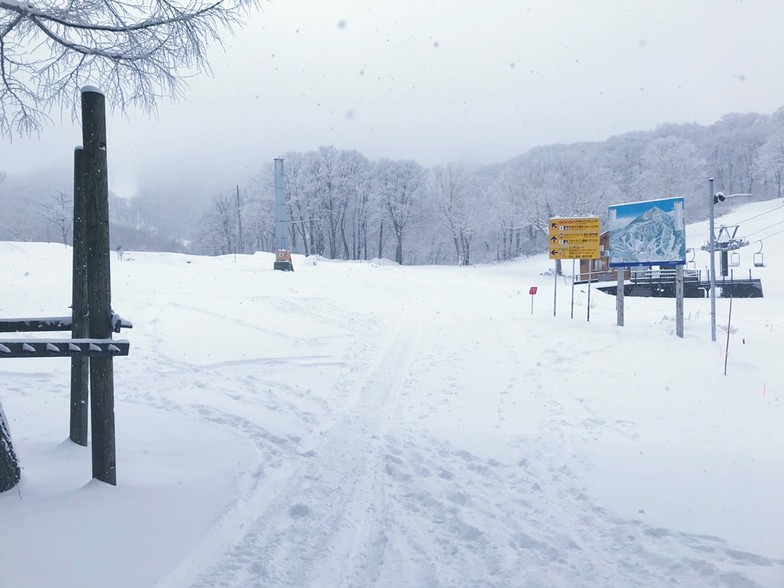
(364, 424)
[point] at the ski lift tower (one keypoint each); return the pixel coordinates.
(282, 251)
(712, 246)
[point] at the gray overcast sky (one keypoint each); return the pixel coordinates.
(438, 81)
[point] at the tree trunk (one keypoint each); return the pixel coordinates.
(345, 241)
(9, 464)
(466, 248)
(381, 240)
(457, 247)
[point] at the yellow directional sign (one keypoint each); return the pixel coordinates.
(587, 224)
(575, 252)
(574, 238)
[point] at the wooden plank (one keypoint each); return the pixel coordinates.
(30, 325)
(63, 348)
(52, 323)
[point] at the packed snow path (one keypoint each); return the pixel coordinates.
(371, 496)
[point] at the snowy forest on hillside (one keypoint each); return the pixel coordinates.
(344, 206)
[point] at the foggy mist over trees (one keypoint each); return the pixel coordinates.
(345, 206)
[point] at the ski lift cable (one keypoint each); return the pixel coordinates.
(771, 235)
(765, 228)
(761, 214)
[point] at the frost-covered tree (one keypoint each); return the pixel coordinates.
(502, 211)
(622, 156)
(362, 210)
(582, 184)
(330, 198)
(670, 167)
(335, 179)
(135, 51)
(219, 231)
(772, 159)
(450, 190)
(734, 151)
(399, 188)
(303, 205)
(527, 193)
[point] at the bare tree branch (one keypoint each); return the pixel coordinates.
(136, 52)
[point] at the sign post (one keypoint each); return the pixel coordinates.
(588, 310)
(532, 292)
(572, 238)
(571, 314)
(619, 293)
(679, 301)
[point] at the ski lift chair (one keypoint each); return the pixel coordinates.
(734, 259)
(759, 259)
(690, 263)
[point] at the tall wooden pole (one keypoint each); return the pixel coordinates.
(96, 187)
(80, 366)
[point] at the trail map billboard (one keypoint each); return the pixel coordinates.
(647, 233)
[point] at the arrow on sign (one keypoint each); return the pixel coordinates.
(554, 253)
(553, 240)
(554, 225)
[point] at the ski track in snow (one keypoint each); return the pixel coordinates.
(334, 500)
(363, 500)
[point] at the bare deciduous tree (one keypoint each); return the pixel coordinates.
(670, 166)
(135, 51)
(219, 230)
(772, 159)
(450, 190)
(400, 185)
(58, 212)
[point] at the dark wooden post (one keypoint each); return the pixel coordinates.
(79, 314)
(96, 188)
(9, 464)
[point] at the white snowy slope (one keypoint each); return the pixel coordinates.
(366, 424)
